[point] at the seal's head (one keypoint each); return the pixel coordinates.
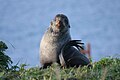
(60, 24)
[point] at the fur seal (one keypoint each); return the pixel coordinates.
(53, 40)
(56, 45)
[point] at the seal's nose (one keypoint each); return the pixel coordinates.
(58, 23)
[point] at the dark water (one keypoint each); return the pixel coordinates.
(23, 22)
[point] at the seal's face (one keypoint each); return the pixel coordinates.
(60, 24)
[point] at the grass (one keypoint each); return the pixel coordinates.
(105, 69)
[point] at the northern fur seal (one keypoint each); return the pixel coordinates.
(56, 44)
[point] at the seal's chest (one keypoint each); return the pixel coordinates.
(54, 46)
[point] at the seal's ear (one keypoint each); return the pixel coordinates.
(69, 26)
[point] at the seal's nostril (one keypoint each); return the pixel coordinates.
(58, 24)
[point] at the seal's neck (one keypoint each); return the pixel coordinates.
(58, 33)
(55, 36)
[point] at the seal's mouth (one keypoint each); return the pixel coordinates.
(59, 24)
(57, 27)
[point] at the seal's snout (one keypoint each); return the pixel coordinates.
(58, 24)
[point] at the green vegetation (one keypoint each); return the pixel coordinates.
(5, 60)
(105, 69)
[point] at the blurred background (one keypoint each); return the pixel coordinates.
(23, 23)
